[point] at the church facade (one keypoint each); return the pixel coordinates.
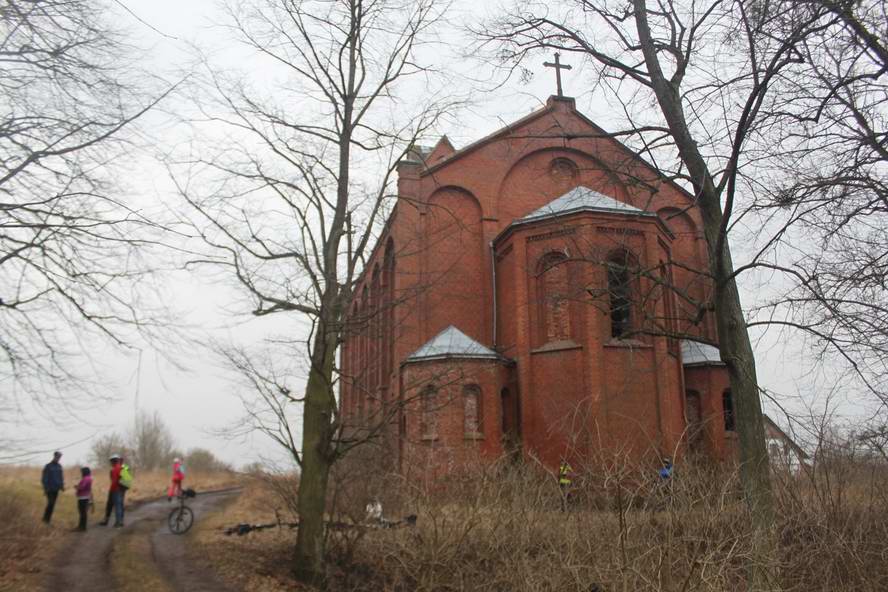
(540, 292)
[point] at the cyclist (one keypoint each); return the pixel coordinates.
(175, 489)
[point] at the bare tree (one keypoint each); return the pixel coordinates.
(151, 441)
(720, 74)
(70, 244)
(289, 209)
(104, 446)
(829, 184)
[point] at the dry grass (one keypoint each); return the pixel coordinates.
(252, 563)
(500, 529)
(27, 545)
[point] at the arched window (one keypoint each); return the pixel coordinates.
(619, 289)
(693, 413)
(472, 410)
(364, 357)
(428, 423)
(506, 411)
(552, 290)
(388, 280)
(694, 418)
(353, 349)
(728, 410)
(375, 328)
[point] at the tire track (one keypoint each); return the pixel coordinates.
(83, 564)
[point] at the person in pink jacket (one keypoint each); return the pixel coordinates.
(175, 489)
(83, 491)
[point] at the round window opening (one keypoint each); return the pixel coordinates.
(563, 168)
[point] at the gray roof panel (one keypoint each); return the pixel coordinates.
(581, 199)
(697, 353)
(452, 343)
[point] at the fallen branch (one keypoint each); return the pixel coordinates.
(245, 528)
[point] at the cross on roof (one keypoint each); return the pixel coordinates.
(558, 68)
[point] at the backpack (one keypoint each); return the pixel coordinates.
(126, 477)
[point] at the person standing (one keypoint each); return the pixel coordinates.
(175, 489)
(565, 480)
(53, 482)
(83, 490)
(115, 493)
(665, 472)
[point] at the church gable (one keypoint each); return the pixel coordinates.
(525, 165)
(442, 150)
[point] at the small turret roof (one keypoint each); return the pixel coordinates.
(452, 343)
(581, 199)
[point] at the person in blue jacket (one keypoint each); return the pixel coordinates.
(53, 482)
(665, 471)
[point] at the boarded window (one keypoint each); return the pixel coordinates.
(472, 409)
(553, 285)
(428, 424)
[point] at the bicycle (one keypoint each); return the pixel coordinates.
(182, 517)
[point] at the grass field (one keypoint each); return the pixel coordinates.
(253, 563)
(27, 546)
(502, 530)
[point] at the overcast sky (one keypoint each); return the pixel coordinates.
(199, 402)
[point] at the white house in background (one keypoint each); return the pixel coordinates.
(783, 451)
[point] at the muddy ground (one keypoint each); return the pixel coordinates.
(142, 556)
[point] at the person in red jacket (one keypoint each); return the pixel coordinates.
(115, 494)
(175, 489)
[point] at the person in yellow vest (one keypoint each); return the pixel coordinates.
(565, 479)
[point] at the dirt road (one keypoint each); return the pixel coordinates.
(144, 555)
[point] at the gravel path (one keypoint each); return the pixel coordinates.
(83, 563)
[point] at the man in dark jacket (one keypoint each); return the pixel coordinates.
(53, 482)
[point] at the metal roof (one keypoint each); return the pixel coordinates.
(696, 353)
(452, 343)
(581, 199)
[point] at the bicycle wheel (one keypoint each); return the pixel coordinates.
(180, 520)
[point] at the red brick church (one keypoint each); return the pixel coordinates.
(538, 291)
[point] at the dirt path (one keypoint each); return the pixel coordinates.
(145, 550)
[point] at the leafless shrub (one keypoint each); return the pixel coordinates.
(151, 440)
(499, 527)
(104, 446)
(204, 461)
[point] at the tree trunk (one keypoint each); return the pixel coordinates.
(317, 458)
(320, 400)
(736, 353)
(734, 346)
